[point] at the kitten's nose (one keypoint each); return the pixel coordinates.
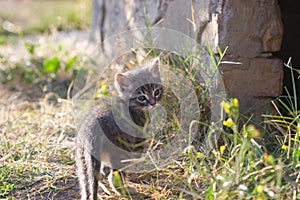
(152, 102)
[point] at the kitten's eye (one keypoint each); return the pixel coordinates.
(156, 92)
(141, 98)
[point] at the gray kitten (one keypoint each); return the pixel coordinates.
(103, 141)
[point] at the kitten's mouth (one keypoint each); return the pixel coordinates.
(151, 107)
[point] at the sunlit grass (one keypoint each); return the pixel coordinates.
(18, 19)
(37, 143)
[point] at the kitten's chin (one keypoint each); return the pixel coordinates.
(144, 108)
(136, 108)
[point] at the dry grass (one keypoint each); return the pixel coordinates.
(37, 156)
(37, 145)
(37, 150)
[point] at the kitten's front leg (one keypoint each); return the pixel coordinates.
(104, 171)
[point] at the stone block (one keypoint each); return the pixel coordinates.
(250, 27)
(262, 78)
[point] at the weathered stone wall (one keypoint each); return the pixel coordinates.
(252, 30)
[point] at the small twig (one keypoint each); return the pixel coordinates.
(58, 178)
(257, 172)
(70, 89)
(188, 192)
(295, 191)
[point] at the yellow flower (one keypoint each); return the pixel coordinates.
(229, 123)
(114, 93)
(236, 102)
(225, 106)
(253, 132)
(222, 149)
(298, 127)
(260, 189)
(199, 155)
(269, 159)
(284, 147)
(103, 82)
(104, 89)
(117, 181)
(117, 174)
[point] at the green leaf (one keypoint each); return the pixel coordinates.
(296, 157)
(220, 51)
(212, 56)
(51, 65)
(210, 192)
(30, 47)
(30, 76)
(70, 63)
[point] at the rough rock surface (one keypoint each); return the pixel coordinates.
(263, 78)
(252, 30)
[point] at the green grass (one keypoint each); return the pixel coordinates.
(38, 131)
(38, 135)
(36, 17)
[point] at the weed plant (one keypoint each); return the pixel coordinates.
(37, 143)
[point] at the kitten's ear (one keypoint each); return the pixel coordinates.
(122, 83)
(154, 69)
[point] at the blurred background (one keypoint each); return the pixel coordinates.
(19, 18)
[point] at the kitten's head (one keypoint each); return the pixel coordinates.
(142, 87)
